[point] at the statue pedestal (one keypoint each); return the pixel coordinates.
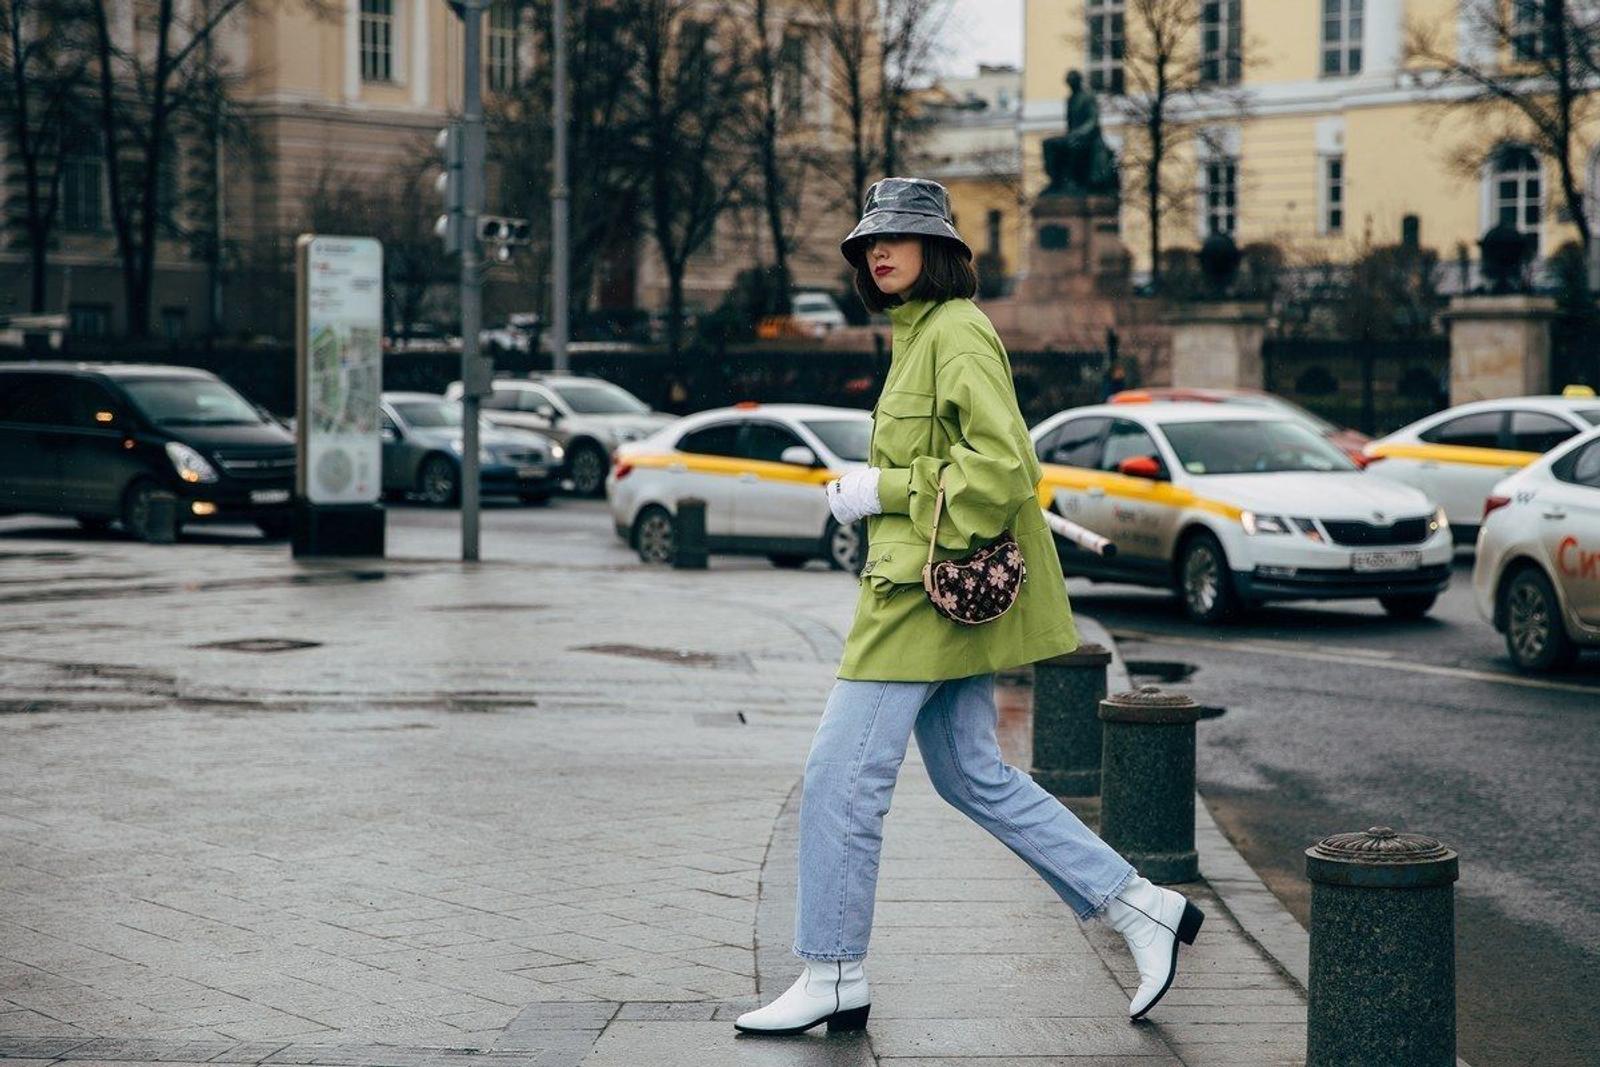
(1217, 345)
(1075, 249)
(1499, 346)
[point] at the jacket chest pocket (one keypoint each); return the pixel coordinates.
(902, 428)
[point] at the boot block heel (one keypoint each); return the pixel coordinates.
(1189, 925)
(849, 1019)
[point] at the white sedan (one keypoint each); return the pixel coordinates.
(1232, 506)
(1537, 575)
(760, 468)
(1456, 456)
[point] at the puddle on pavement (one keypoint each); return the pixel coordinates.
(1160, 670)
(488, 607)
(681, 656)
(137, 588)
(262, 644)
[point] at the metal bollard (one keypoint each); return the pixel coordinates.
(1147, 782)
(162, 525)
(1067, 691)
(1383, 963)
(689, 535)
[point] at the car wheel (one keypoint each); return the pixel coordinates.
(1204, 582)
(841, 546)
(439, 482)
(275, 527)
(653, 535)
(136, 510)
(788, 563)
(1410, 605)
(587, 468)
(94, 523)
(1536, 637)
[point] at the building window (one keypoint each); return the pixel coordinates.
(1220, 196)
(994, 220)
(377, 40)
(1516, 192)
(172, 322)
(1341, 37)
(89, 320)
(791, 76)
(1534, 28)
(82, 193)
(1333, 194)
(1106, 44)
(503, 18)
(1221, 42)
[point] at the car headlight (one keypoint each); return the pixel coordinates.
(1264, 524)
(556, 451)
(191, 466)
(1440, 520)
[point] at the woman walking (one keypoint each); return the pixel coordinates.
(952, 472)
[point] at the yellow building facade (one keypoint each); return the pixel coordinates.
(1331, 138)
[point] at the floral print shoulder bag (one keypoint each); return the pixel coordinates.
(976, 588)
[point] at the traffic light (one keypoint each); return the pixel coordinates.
(496, 229)
(451, 185)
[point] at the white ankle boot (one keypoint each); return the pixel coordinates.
(831, 990)
(1153, 920)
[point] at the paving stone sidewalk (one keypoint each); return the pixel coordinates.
(523, 812)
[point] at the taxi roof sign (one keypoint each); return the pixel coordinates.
(1574, 391)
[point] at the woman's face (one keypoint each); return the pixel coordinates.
(895, 262)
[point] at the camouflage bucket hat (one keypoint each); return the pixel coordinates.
(903, 206)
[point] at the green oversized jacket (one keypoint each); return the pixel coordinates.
(948, 408)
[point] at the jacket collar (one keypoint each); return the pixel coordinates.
(910, 317)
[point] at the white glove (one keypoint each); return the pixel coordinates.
(855, 496)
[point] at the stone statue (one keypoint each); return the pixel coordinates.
(1079, 162)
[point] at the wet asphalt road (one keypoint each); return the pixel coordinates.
(1339, 719)
(1336, 719)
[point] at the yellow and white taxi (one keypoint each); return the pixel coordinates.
(1537, 575)
(1456, 456)
(762, 470)
(1235, 506)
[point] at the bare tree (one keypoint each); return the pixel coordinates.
(847, 28)
(152, 90)
(879, 53)
(604, 173)
(1527, 71)
(1171, 87)
(780, 89)
(43, 63)
(693, 93)
(908, 48)
(399, 211)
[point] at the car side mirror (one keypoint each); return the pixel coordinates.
(548, 412)
(388, 435)
(799, 456)
(1140, 467)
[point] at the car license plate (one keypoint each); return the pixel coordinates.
(530, 472)
(269, 496)
(1406, 560)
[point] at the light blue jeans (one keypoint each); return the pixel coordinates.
(850, 776)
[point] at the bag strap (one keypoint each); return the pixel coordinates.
(938, 506)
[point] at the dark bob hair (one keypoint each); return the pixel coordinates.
(947, 273)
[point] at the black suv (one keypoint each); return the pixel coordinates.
(95, 441)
